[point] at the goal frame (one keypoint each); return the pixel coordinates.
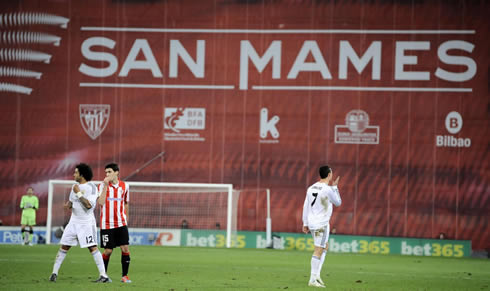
(226, 187)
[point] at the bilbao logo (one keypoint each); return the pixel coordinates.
(17, 58)
(454, 124)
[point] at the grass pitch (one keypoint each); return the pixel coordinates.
(181, 268)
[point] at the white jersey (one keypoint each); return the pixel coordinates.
(80, 214)
(318, 208)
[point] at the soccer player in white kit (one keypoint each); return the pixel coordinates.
(82, 227)
(317, 211)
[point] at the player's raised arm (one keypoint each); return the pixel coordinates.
(81, 197)
(334, 194)
(103, 192)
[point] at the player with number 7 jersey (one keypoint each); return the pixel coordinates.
(317, 210)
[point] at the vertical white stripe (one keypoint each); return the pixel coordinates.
(115, 204)
(118, 205)
(123, 213)
(111, 207)
(102, 220)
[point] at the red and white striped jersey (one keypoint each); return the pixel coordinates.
(113, 212)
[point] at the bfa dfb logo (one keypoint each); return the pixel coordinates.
(268, 126)
(94, 118)
(188, 119)
(177, 119)
(171, 117)
(454, 124)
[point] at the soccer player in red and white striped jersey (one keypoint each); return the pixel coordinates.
(114, 199)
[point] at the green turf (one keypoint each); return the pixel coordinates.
(174, 268)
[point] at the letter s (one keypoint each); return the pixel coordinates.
(98, 56)
(456, 60)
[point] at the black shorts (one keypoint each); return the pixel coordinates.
(114, 237)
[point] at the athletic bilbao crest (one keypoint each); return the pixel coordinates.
(94, 118)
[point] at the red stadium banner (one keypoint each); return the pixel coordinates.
(392, 95)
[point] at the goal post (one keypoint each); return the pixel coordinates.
(160, 205)
(268, 220)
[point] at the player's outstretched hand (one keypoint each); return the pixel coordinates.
(336, 182)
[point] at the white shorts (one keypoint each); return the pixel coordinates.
(83, 234)
(320, 236)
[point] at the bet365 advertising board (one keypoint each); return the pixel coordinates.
(282, 241)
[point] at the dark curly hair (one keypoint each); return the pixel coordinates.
(85, 171)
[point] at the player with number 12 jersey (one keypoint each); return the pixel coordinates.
(80, 214)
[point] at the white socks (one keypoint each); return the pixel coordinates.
(322, 259)
(59, 260)
(315, 268)
(97, 258)
(99, 262)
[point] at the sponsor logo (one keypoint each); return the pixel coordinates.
(268, 126)
(357, 129)
(15, 237)
(176, 120)
(454, 124)
(94, 118)
(168, 238)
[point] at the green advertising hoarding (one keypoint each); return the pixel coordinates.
(337, 243)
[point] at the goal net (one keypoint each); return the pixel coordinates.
(160, 206)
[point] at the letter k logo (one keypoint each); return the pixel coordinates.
(267, 125)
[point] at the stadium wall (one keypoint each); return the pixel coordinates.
(392, 94)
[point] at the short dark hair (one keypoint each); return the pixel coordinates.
(112, 166)
(324, 171)
(85, 171)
